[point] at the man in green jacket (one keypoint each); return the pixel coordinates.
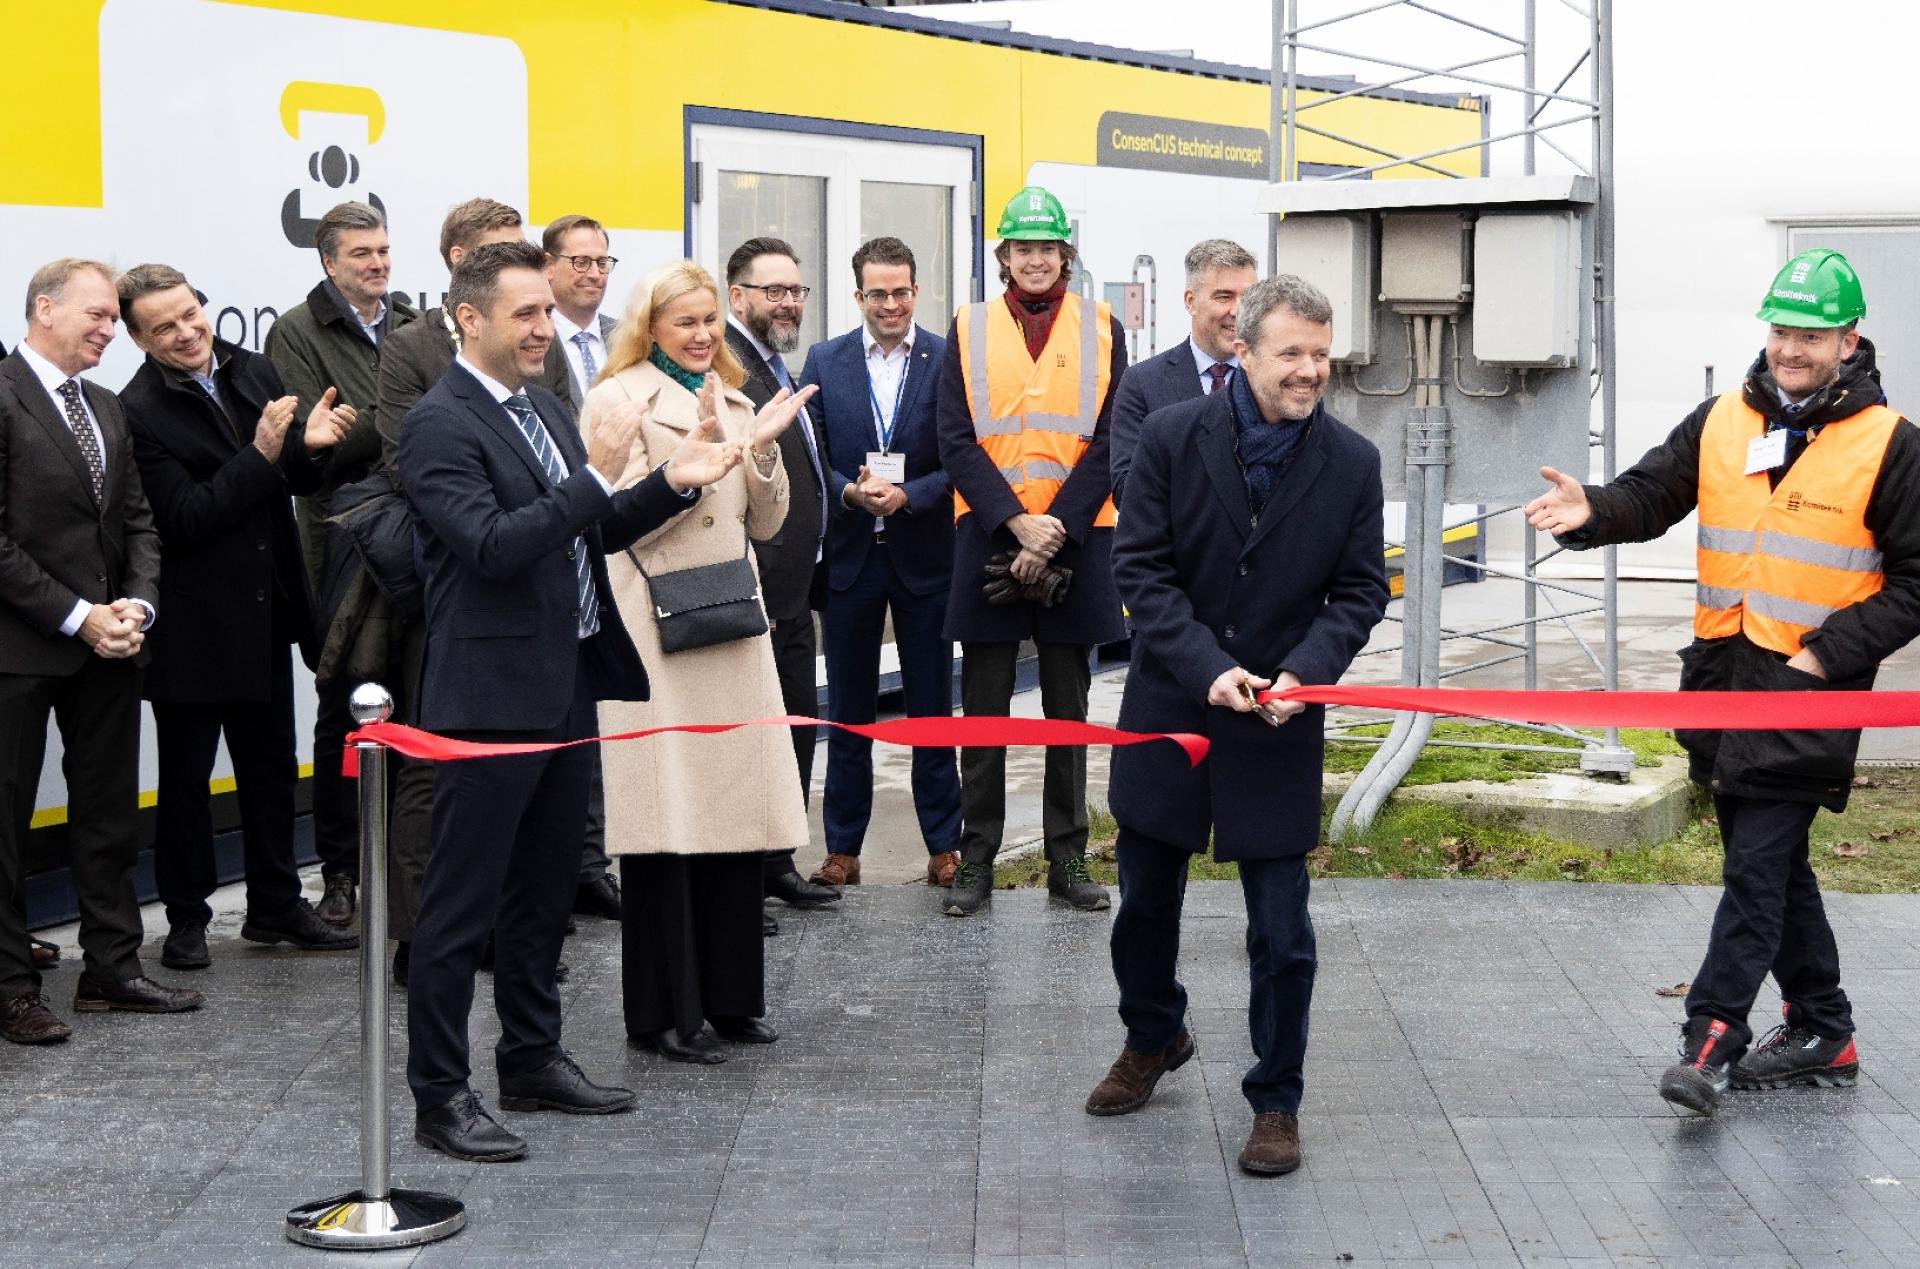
(333, 340)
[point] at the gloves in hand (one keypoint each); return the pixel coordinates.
(1001, 587)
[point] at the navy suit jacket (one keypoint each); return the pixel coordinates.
(920, 538)
(1164, 379)
(1210, 586)
(503, 640)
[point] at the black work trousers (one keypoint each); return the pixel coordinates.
(986, 689)
(1770, 920)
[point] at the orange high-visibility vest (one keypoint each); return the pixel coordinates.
(1035, 418)
(1776, 562)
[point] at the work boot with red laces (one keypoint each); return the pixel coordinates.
(1789, 1055)
(1707, 1055)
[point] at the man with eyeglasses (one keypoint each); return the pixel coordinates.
(766, 303)
(892, 535)
(579, 269)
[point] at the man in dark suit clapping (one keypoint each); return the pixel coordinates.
(515, 517)
(1218, 274)
(1249, 556)
(891, 532)
(211, 425)
(79, 582)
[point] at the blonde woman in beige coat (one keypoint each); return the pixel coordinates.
(689, 817)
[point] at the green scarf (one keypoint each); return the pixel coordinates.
(671, 368)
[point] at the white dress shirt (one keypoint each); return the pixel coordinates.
(50, 378)
(887, 375)
(568, 334)
(501, 392)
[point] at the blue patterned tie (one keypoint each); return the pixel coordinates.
(549, 459)
(588, 369)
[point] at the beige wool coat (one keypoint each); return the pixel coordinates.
(683, 794)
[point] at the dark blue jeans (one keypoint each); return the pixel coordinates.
(853, 624)
(1281, 954)
(1770, 920)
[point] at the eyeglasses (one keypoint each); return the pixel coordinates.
(587, 264)
(899, 295)
(776, 293)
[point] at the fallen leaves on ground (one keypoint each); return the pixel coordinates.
(1850, 850)
(1674, 992)
(1462, 854)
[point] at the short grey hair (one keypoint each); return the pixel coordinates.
(51, 279)
(1216, 253)
(1287, 291)
(338, 220)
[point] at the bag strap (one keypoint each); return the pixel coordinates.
(746, 543)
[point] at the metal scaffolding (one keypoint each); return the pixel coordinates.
(1546, 116)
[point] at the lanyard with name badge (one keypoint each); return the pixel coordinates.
(1767, 451)
(884, 463)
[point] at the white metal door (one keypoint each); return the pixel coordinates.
(826, 195)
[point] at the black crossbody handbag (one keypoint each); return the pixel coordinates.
(699, 607)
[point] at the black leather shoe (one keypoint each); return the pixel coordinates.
(402, 962)
(768, 926)
(561, 1085)
(25, 1019)
(336, 905)
(186, 947)
(797, 892)
(599, 897)
(301, 926)
(744, 1030)
(699, 1048)
(135, 995)
(462, 1128)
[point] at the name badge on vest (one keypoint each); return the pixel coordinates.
(891, 468)
(1764, 453)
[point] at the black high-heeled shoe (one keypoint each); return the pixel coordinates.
(700, 1048)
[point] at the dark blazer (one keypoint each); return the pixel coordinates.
(498, 541)
(58, 544)
(1091, 613)
(412, 359)
(1165, 379)
(1208, 588)
(789, 582)
(574, 396)
(920, 538)
(229, 553)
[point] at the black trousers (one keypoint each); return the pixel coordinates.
(1281, 953)
(506, 850)
(410, 797)
(1770, 920)
(986, 688)
(793, 661)
(336, 804)
(98, 711)
(690, 942)
(265, 772)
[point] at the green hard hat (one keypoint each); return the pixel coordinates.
(1816, 288)
(1034, 215)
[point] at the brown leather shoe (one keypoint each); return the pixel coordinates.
(1130, 1080)
(1273, 1147)
(44, 953)
(25, 1019)
(838, 870)
(135, 995)
(940, 868)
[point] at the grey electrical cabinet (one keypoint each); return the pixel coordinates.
(1335, 253)
(1526, 275)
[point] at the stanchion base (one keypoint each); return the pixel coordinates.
(351, 1222)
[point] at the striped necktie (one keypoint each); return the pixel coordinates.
(548, 457)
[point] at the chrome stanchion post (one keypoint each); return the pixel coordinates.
(375, 1216)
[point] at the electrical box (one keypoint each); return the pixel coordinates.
(1335, 253)
(1129, 303)
(1526, 277)
(1423, 258)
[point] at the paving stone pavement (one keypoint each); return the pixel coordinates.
(1479, 1092)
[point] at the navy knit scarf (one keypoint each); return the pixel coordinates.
(1263, 447)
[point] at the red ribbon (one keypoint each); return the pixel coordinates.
(914, 733)
(1712, 711)
(1721, 711)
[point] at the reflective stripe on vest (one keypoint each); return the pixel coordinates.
(1775, 563)
(1036, 417)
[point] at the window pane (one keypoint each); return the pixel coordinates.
(765, 204)
(922, 217)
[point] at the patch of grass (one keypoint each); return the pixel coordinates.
(1443, 764)
(1873, 848)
